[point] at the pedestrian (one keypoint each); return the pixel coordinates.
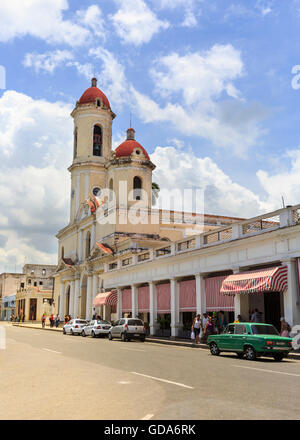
(285, 328)
(12, 318)
(23, 317)
(57, 320)
(209, 328)
(238, 319)
(51, 320)
(222, 321)
(43, 320)
(256, 316)
(197, 328)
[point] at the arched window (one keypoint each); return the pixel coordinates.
(137, 188)
(75, 143)
(87, 244)
(97, 145)
(111, 188)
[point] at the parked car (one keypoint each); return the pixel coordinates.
(74, 327)
(251, 340)
(127, 329)
(96, 328)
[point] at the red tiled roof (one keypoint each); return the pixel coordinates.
(91, 94)
(128, 147)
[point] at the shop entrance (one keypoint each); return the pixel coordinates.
(32, 309)
(272, 305)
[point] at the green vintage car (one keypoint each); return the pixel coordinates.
(250, 340)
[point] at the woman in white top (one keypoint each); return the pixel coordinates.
(197, 327)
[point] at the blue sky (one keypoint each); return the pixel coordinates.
(209, 84)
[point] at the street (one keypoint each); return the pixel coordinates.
(45, 375)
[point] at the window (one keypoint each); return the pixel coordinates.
(137, 188)
(41, 283)
(135, 322)
(75, 144)
(113, 266)
(144, 257)
(87, 244)
(44, 272)
(23, 285)
(230, 329)
(29, 281)
(127, 262)
(32, 271)
(97, 142)
(164, 251)
(240, 329)
(35, 284)
(96, 191)
(264, 330)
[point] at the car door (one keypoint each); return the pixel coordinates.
(120, 327)
(240, 335)
(69, 325)
(114, 328)
(226, 339)
(89, 327)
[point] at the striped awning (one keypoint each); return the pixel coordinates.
(107, 298)
(273, 279)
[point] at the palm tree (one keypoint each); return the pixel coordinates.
(155, 192)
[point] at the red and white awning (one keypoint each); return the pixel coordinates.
(273, 279)
(107, 298)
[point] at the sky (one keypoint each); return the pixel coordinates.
(212, 86)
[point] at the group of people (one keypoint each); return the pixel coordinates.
(211, 323)
(17, 318)
(54, 320)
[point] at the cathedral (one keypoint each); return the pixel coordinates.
(118, 256)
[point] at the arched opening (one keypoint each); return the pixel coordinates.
(75, 144)
(137, 188)
(87, 244)
(67, 304)
(111, 188)
(83, 294)
(97, 141)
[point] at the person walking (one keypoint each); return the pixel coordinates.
(51, 320)
(57, 320)
(197, 328)
(43, 320)
(209, 328)
(285, 328)
(256, 316)
(222, 321)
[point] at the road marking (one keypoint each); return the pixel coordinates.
(148, 417)
(163, 380)
(52, 351)
(132, 349)
(267, 371)
(124, 382)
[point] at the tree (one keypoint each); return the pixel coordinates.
(155, 192)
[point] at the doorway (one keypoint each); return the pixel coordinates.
(32, 309)
(272, 306)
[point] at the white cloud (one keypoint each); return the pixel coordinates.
(135, 23)
(42, 19)
(93, 19)
(35, 150)
(48, 61)
(190, 19)
(221, 195)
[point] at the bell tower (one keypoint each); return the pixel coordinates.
(93, 119)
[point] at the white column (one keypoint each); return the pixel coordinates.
(76, 301)
(89, 298)
(62, 300)
(119, 304)
(174, 285)
(134, 303)
(72, 299)
(153, 307)
(291, 296)
(200, 294)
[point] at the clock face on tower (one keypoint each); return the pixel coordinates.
(96, 191)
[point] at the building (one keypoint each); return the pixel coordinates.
(29, 293)
(118, 256)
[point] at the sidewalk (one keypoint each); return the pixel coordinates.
(154, 339)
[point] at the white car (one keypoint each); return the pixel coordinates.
(96, 328)
(127, 329)
(74, 327)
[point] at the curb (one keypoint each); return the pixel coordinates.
(156, 341)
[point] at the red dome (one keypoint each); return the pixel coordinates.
(92, 93)
(128, 147)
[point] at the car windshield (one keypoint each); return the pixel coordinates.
(264, 330)
(78, 321)
(103, 322)
(135, 322)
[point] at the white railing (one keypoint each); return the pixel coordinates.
(285, 217)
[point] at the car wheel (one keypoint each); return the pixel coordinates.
(250, 354)
(71, 332)
(123, 337)
(214, 349)
(64, 332)
(93, 334)
(142, 339)
(278, 357)
(240, 355)
(110, 336)
(83, 333)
